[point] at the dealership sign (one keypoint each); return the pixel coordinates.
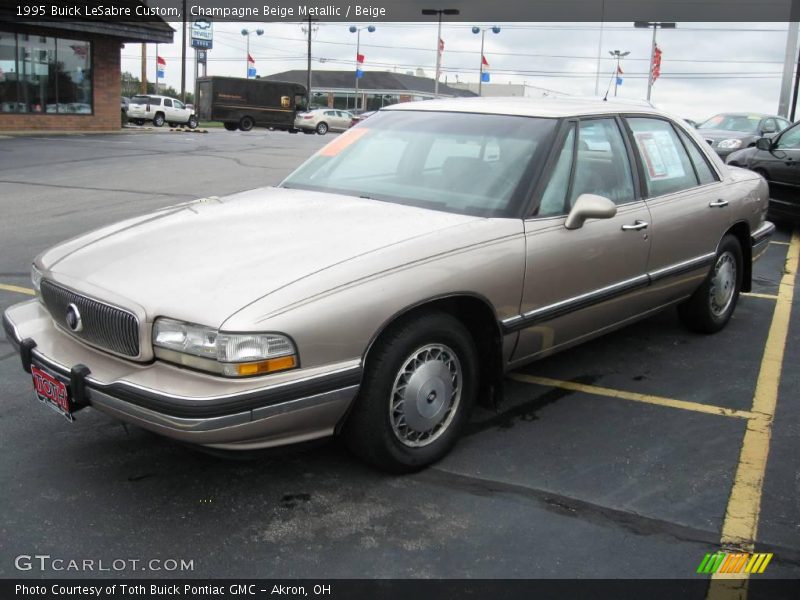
(202, 33)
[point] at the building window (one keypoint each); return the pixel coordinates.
(40, 74)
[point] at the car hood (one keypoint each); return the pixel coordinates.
(722, 134)
(205, 260)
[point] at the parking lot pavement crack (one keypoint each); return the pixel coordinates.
(572, 507)
(96, 189)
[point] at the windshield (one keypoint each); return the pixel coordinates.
(743, 123)
(456, 162)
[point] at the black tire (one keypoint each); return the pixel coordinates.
(246, 123)
(710, 308)
(158, 120)
(378, 430)
(173, 125)
(322, 128)
(230, 126)
(192, 122)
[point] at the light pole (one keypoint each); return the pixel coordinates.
(655, 25)
(357, 31)
(495, 29)
(439, 11)
(618, 55)
(246, 33)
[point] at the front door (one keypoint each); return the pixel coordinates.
(781, 165)
(582, 281)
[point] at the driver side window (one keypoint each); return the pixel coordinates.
(789, 140)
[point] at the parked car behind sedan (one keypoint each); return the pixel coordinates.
(323, 120)
(727, 132)
(778, 161)
(160, 110)
(384, 287)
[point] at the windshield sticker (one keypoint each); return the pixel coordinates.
(660, 155)
(343, 141)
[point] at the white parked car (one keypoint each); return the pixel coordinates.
(323, 120)
(160, 110)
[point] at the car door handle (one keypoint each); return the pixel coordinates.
(636, 226)
(718, 203)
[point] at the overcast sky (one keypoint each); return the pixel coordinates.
(706, 67)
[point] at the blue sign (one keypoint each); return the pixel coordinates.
(485, 77)
(205, 44)
(160, 74)
(359, 73)
(251, 72)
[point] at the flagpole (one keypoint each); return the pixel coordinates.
(480, 78)
(156, 68)
(438, 56)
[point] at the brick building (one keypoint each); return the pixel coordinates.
(65, 75)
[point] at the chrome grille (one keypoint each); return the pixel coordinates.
(104, 326)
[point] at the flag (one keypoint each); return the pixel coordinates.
(656, 66)
(160, 61)
(619, 80)
(160, 74)
(359, 73)
(441, 45)
(359, 58)
(484, 62)
(619, 70)
(485, 77)
(251, 60)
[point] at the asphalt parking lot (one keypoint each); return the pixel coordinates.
(631, 456)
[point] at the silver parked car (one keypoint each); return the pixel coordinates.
(323, 120)
(385, 286)
(728, 132)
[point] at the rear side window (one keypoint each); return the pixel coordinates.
(704, 172)
(667, 168)
(168, 102)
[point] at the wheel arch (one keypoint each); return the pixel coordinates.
(741, 231)
(477, 315)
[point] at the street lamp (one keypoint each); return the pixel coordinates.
(247, 33)
(655, 25)
(357, 31)
(495, 29)
(618, 55)
(439, 11)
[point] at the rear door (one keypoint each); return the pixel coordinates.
(580, 281)
(688, 204)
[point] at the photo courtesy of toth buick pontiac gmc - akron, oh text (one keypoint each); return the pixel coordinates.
(385, 286)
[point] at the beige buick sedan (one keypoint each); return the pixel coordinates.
(387, 284)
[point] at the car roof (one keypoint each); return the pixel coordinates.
(530, 107)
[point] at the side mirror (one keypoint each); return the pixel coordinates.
(764, 144)
(589, 206)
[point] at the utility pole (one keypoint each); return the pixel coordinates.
(786, 80)
(308, 67)
(144, 69)
(439, 11)
(183, 55)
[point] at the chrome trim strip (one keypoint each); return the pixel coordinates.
(682, 267)
(763, 233)
(562, 307)
(12, 334)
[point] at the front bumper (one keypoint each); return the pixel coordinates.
(760, 239)
(274, 410)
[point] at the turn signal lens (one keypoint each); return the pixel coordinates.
(262, 367)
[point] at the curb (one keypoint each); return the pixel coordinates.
(187, 130)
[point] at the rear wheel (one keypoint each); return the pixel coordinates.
(417, 394)
(322, 128)
(231, 126)
(158, 120)
(710, 308)
(246, 123)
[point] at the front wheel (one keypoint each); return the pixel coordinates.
(710, 308)
(192, 123)
(322, 128)
(418, 390)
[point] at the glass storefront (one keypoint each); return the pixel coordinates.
(40, 74)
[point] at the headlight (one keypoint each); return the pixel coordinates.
(36, 278)
(730, 144)
(230, 354)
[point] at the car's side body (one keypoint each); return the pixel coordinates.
(334, 119)
(779, 164)
(524, 285)
(159, 109)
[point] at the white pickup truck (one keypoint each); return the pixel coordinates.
(160, 110)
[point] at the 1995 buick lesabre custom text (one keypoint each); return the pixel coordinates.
(386, 285)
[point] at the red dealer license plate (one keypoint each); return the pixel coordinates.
(51, 391)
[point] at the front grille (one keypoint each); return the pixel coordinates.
(104, 326)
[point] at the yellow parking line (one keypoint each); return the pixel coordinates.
(757, 295)
(740, 526)
(17, 289)
(635, 397)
